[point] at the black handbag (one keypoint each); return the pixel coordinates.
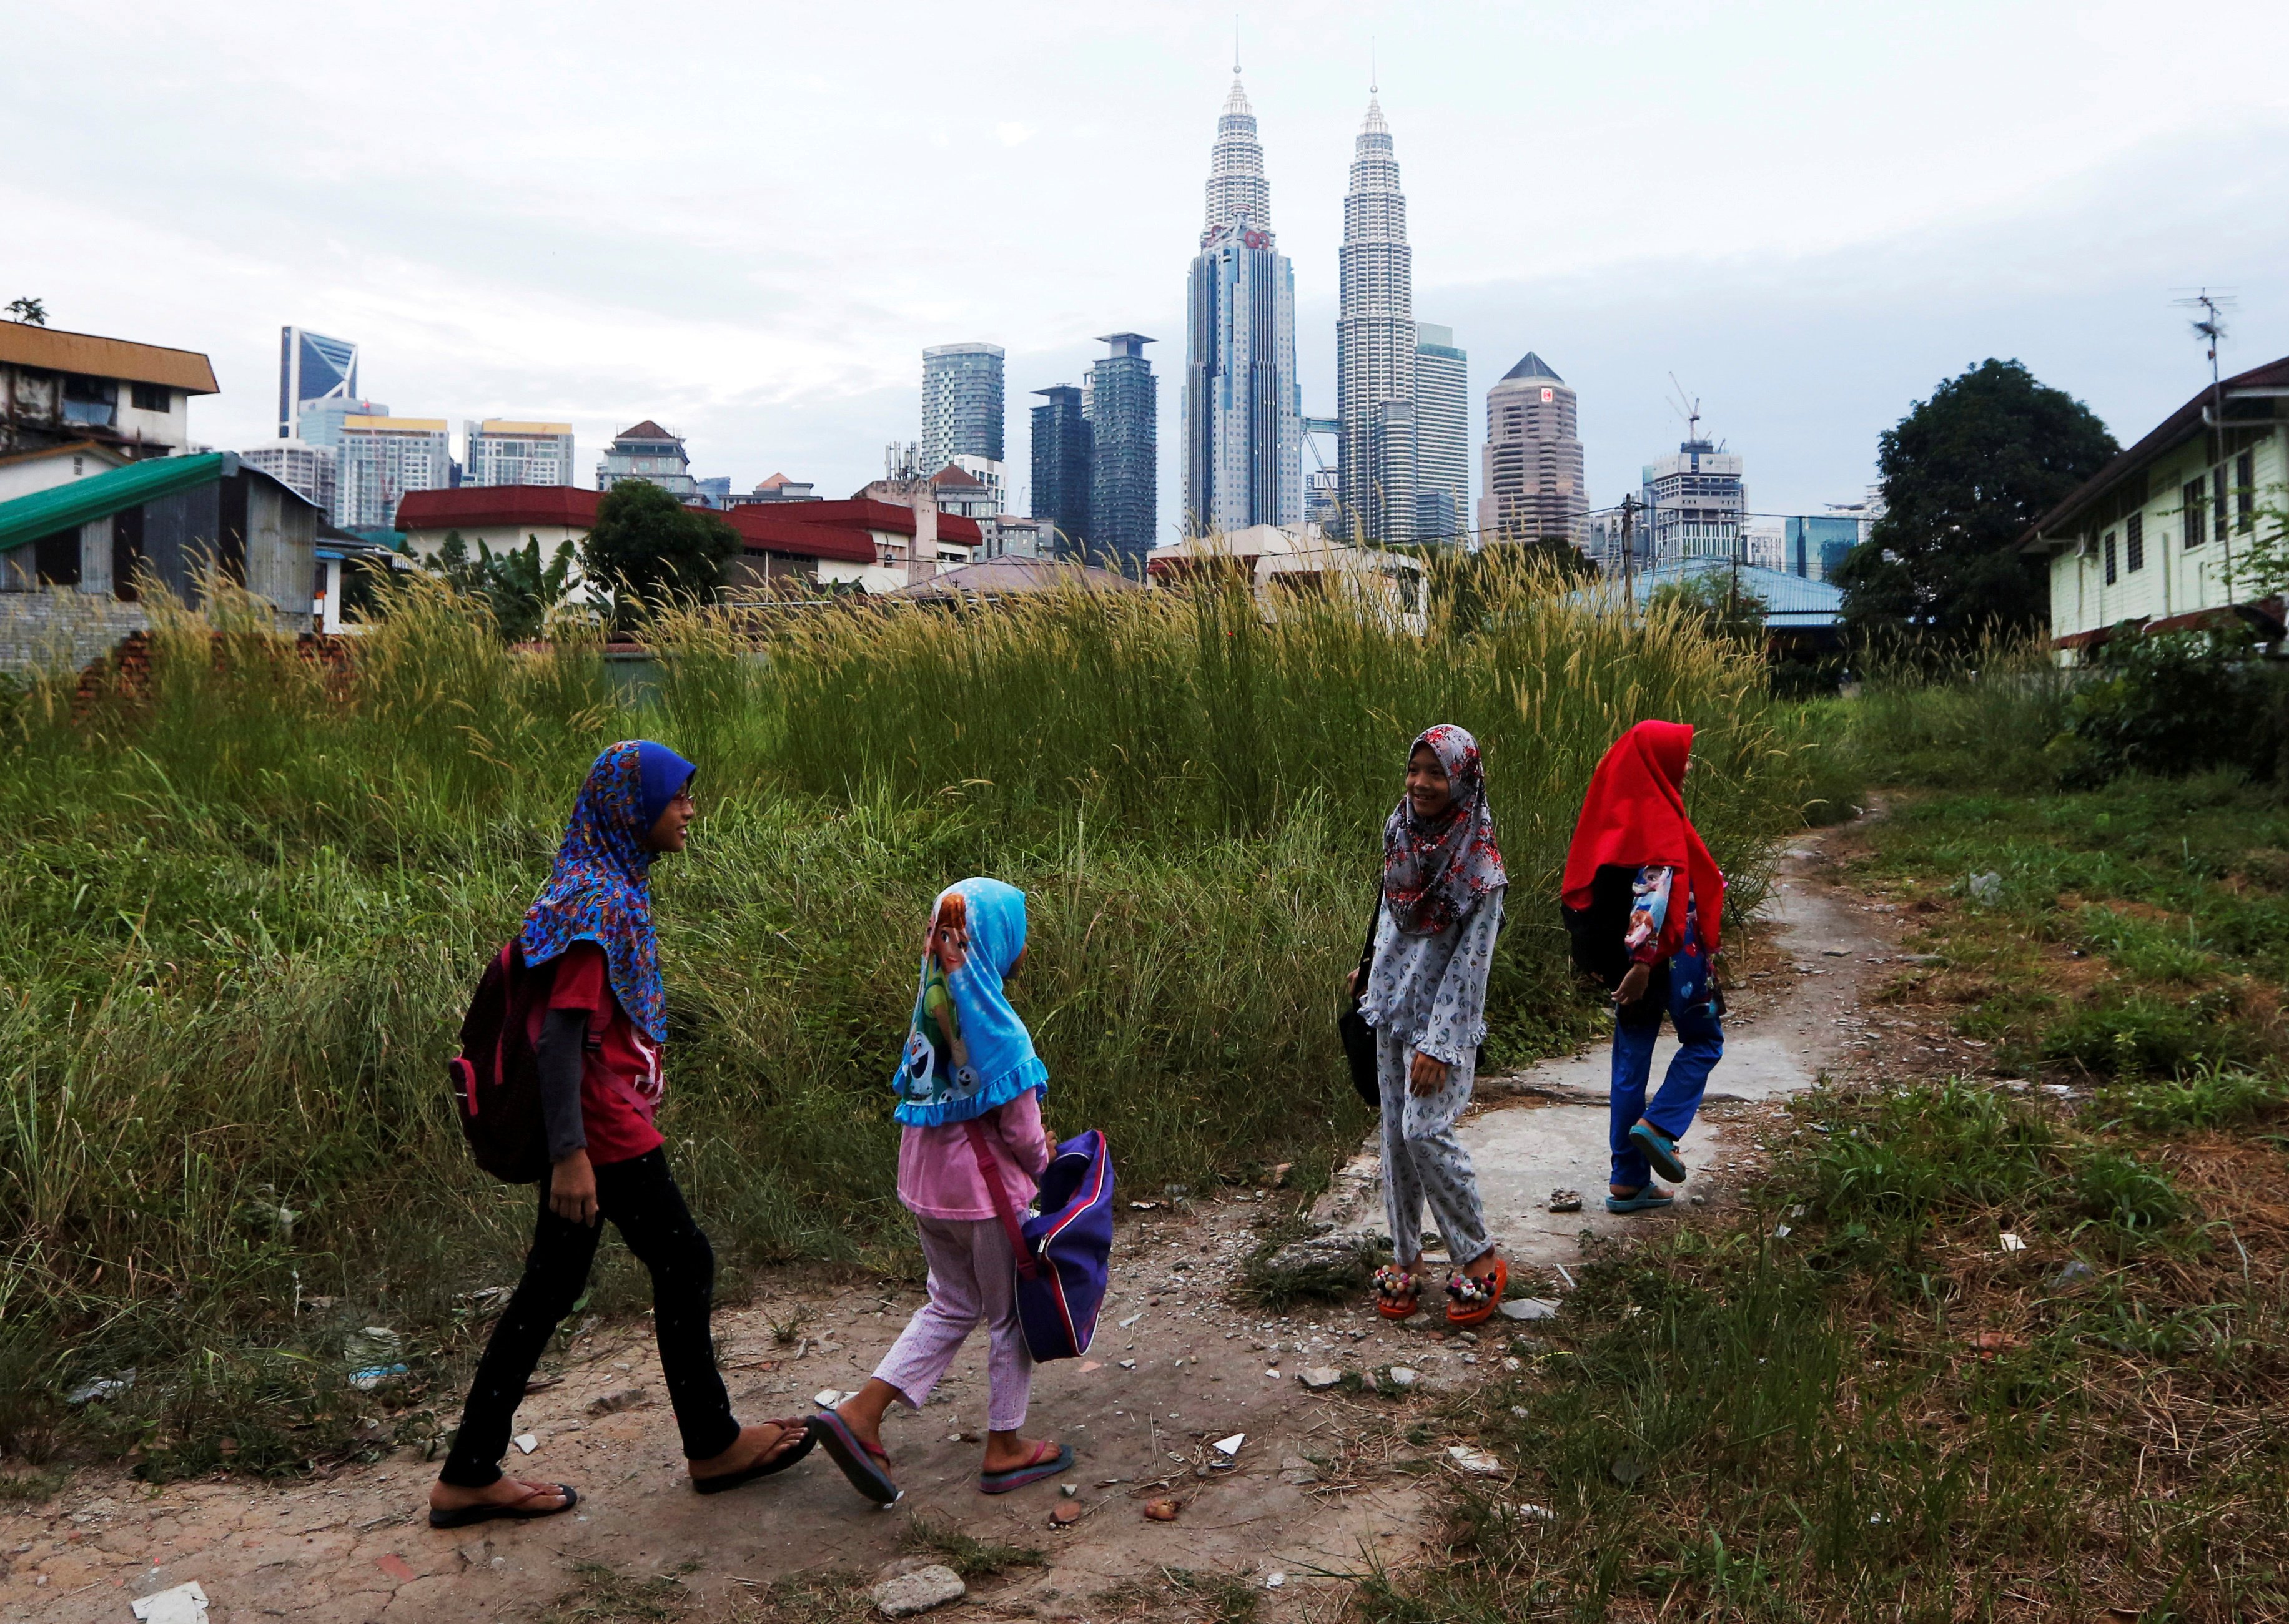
(1358, 1036)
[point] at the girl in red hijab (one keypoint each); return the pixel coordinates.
(1646, 903)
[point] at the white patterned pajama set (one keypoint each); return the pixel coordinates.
(1429, 993)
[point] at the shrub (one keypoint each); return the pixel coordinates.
(2170, 704)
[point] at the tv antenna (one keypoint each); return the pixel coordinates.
(1686, 406)
(2208, 323)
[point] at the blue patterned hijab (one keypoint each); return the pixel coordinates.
(601, 888)
(967, 1051)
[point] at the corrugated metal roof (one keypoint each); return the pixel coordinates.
(65, 507)
(475, 504)
(25, 345)
(1790, 599)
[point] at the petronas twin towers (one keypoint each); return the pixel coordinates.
(1243, 412)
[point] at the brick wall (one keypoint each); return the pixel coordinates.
(63, 630)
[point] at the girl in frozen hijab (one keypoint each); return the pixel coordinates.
(969, 1089)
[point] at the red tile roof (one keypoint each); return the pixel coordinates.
(868, 513)
(477, 504)
(645, 430)
(952, 475)
(771, 527)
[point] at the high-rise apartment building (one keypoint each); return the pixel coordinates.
(961, 403)
(322, 420)
(381, 458)
(312, 367)
(1243, 437)
(1064, 466)
(497, 451)
(1124, 505)
(1442, 436)
(1530, 480)
(649, 453)
(1375, 343)
(299, 466)
(1694, 503)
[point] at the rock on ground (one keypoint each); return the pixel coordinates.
(908, 1593)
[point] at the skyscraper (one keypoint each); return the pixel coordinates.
(1375, 343)
(382, 459)
(961, 403)
(312, 367)
(1062, 467)
(1442, 436)
(1695, 502)
(1530, 471)
(499, 452)
(1243, 438)
(1124, 417)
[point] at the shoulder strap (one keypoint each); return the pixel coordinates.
(1000, 1192)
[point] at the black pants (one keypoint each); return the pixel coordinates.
(640, 1199)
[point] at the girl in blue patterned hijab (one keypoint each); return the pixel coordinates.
(601, 888)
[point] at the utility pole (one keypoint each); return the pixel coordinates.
(1629, 554)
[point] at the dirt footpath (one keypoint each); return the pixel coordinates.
(1325, 1484)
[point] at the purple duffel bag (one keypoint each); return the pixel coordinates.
(1065, 1251)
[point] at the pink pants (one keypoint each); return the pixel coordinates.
(971, 1279)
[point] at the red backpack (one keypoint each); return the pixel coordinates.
(496, 1078)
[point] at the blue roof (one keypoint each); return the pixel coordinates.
(1790, 601)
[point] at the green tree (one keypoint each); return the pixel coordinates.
(1724, 607)
(31, 311)
(645, 543)
(1965, 473)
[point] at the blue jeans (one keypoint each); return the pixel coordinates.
(1701, 1041)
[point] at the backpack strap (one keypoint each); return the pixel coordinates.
(1026, 1264)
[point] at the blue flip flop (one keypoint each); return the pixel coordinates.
(856, 1458)
(1032, 1471)
(1649, 1198)
(1659, 1150)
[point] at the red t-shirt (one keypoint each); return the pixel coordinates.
(620, 1081)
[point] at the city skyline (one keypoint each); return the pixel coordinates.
(1875, 190)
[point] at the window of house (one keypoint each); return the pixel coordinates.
(152, 397)
(2195, 530)
(2245, 480)
(91, 400)
(2133, 537)
(2110, 558)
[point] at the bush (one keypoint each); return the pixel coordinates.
(2170, 705)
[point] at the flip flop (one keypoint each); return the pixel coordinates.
(1032, 1471)
(485, 1511)
(856, 1458)
(763, 1467)
(1649, 1198)
(1659, 1150)
(1471, 1299)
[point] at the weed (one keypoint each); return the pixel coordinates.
(603, 1595)
(2212, 1097)
(965, 1554)
(2114, 1188)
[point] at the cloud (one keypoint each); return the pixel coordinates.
(1014, 135)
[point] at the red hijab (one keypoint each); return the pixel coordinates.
(1634, 815)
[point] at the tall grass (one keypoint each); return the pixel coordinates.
(1984, 721)
(240, 912)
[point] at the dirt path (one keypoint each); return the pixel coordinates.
(1325, 1484)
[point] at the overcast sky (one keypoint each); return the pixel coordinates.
(747, 221)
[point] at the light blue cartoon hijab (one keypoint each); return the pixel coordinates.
(967, 1051)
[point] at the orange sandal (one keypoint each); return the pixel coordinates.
(1471, 1301)
(1397, 1293)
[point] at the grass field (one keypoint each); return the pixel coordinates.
(1884, 1413)
(239, 913)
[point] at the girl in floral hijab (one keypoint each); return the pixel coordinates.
(1426, 993)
